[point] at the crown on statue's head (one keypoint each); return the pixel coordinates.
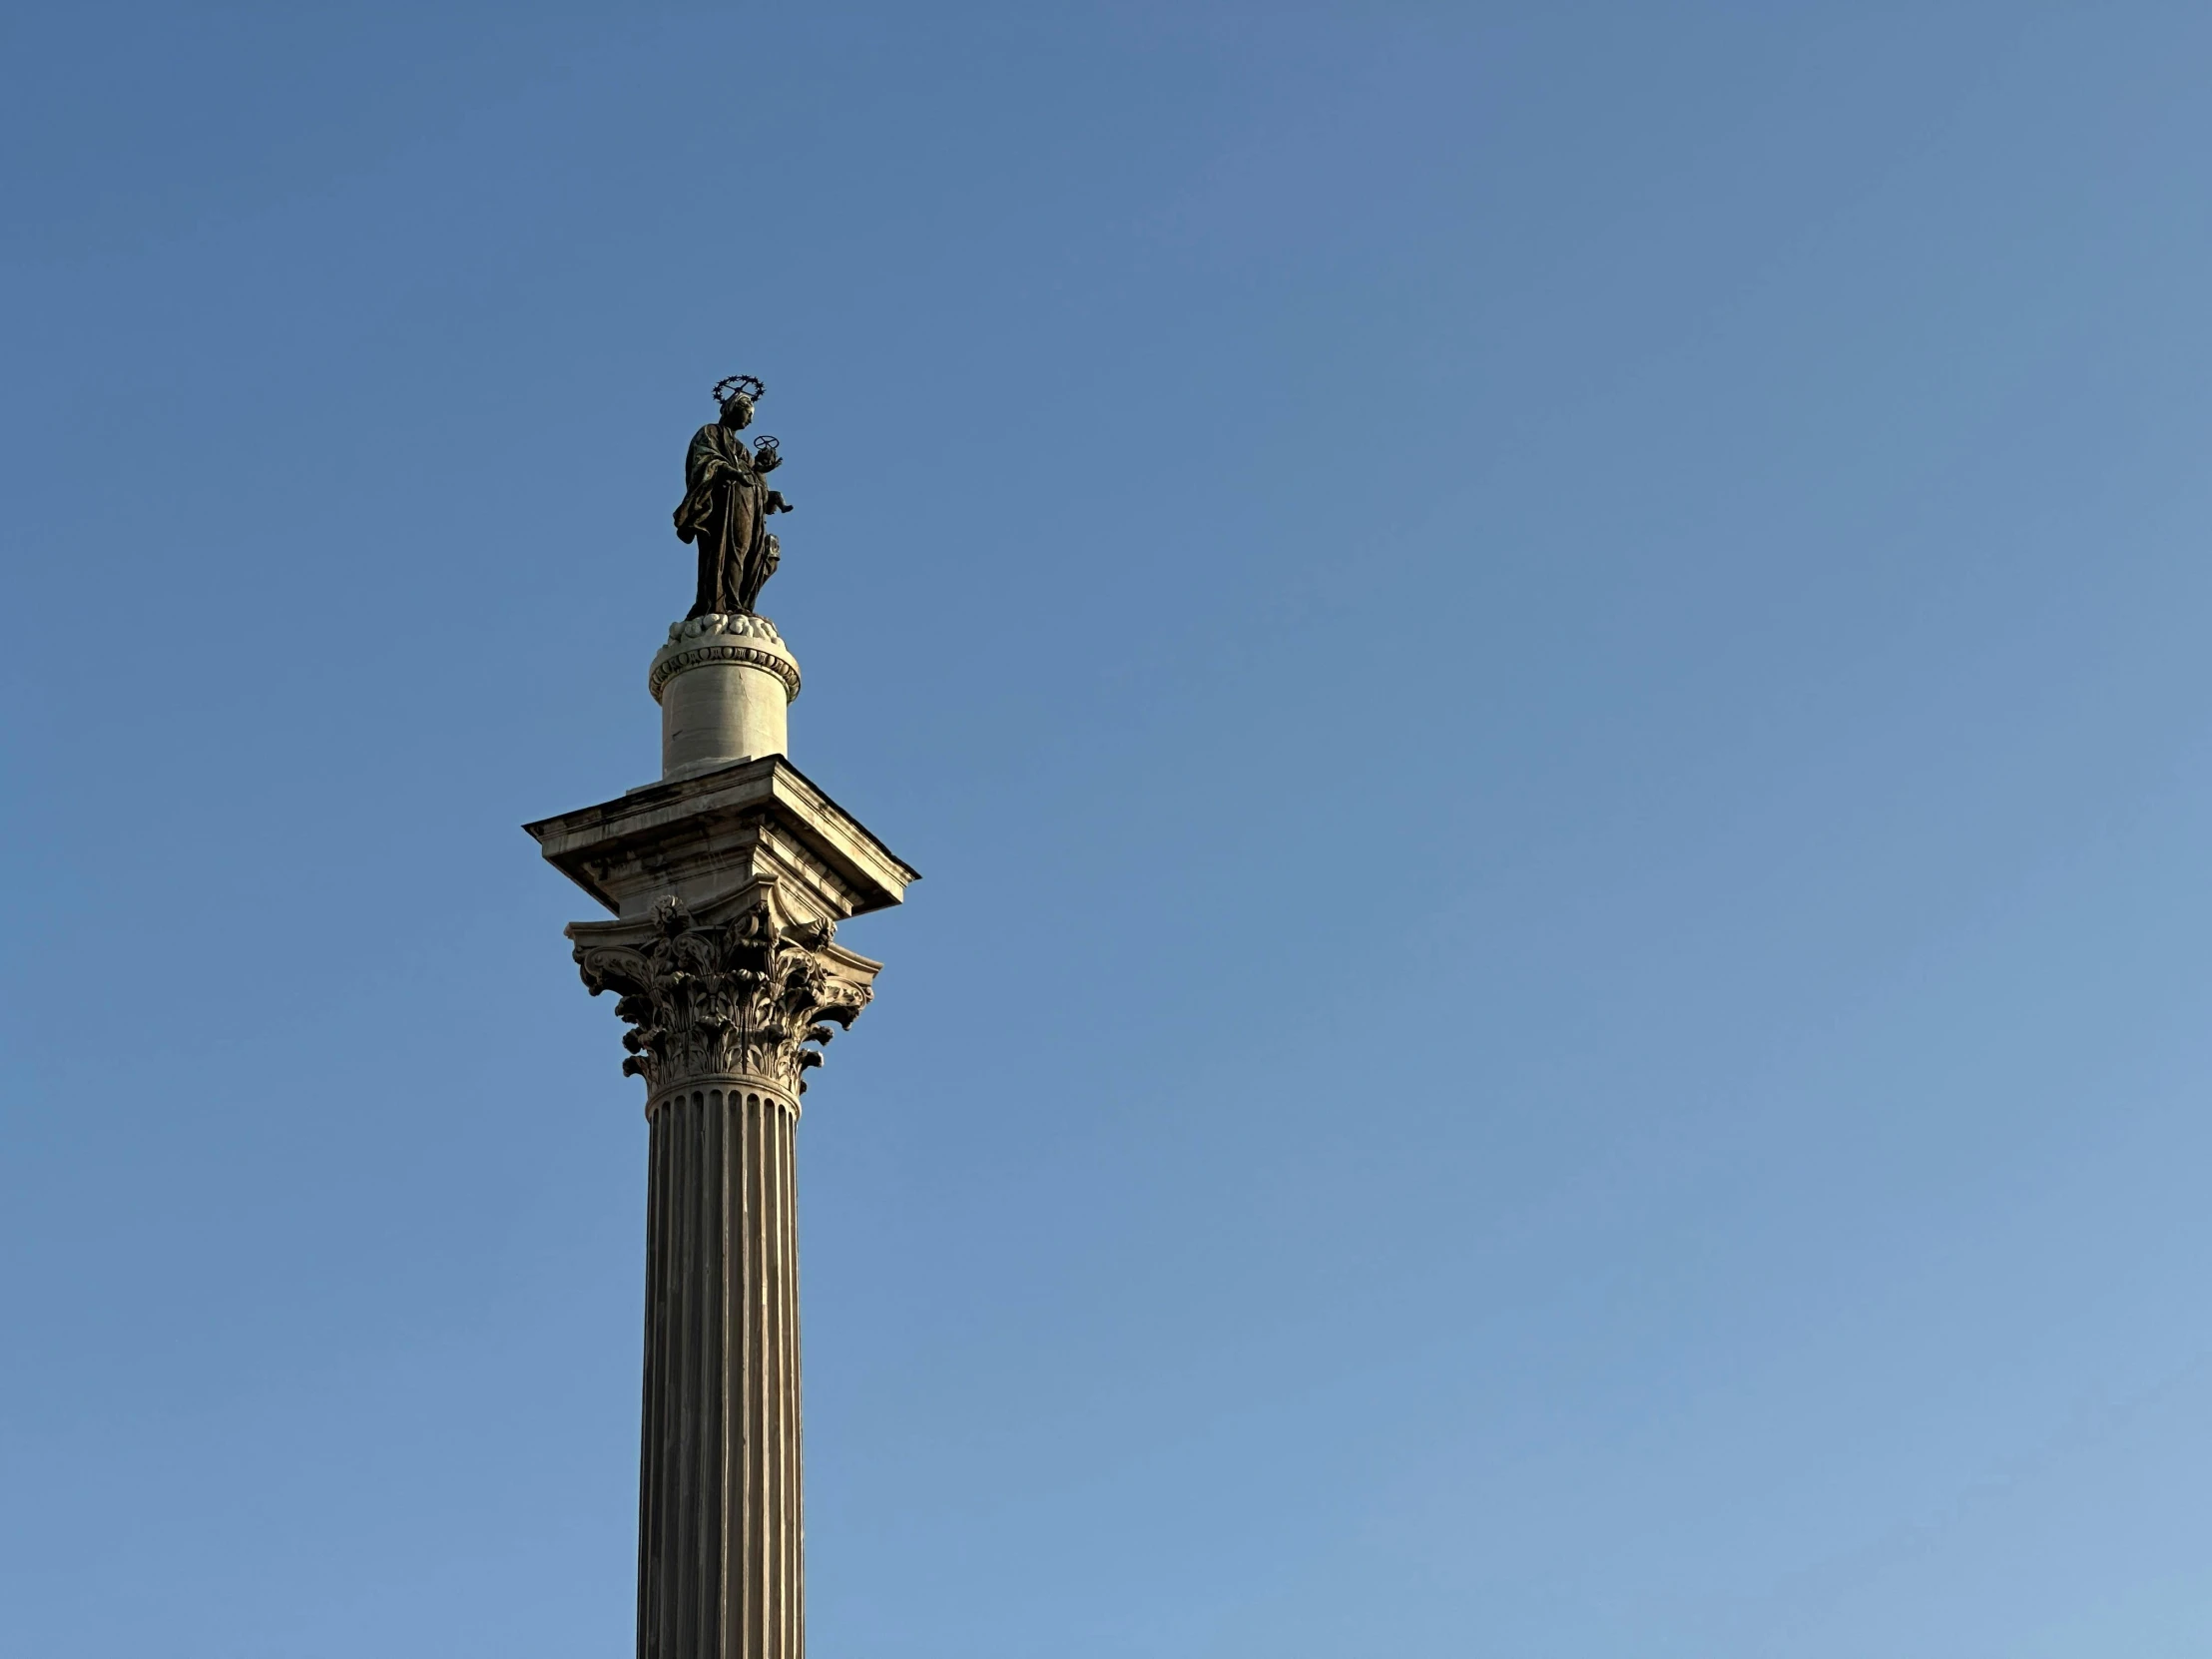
(747, 386)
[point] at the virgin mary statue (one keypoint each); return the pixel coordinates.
(726, 502)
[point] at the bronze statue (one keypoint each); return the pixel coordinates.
(726, 502)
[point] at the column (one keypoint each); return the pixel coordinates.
(725, 881)
(726, 1012)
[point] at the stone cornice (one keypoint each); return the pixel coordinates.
(696, 837)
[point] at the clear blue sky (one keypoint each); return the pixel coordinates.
(1548, 664)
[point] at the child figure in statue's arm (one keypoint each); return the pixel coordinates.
(766, 457)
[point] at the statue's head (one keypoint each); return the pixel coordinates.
(737, 395)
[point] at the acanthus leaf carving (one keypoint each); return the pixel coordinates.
(746, 996)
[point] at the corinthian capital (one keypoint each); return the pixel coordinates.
(736, 990)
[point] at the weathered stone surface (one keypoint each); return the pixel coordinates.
(721, 1518)
(726, 887)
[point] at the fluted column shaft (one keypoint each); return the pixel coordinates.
(721, 1571)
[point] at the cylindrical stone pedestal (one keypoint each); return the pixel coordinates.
(721, 1569)
(724, 684)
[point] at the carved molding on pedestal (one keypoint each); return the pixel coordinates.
(720, 638)
(744, 995)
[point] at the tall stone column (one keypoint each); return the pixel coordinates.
(726, 880)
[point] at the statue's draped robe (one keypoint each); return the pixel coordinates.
(725, 511)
